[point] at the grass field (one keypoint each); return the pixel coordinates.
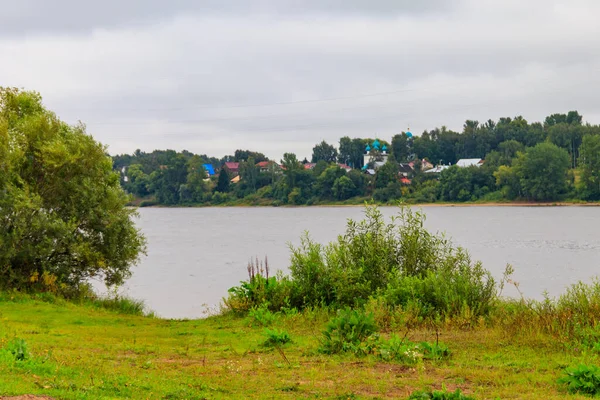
(85, 352)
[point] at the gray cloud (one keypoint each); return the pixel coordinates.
(275, 76)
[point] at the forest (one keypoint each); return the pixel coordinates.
(554, 160)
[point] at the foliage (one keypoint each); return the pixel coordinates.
(434, 351)
(584, 379)
(590, 168)
(347, 331)
(523, 161)
(261, 315)
(223, 182)
(276, 337)
(400, 260)
(324, 152)
(62, 210)
(260, 291)
(18, 348)
(542, 171)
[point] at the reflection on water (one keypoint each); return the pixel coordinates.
(196, 254)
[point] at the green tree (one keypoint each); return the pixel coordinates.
(249, 174)
(245, 155)
(386, 174)
(196, 175)
(138, 180)
(325, 152)
(291, 169)
(400, 147)
(343, 188)
(589, 164)
(62, 210)
(508, 181)
(223, 182)
(543, 171)
(325, 181)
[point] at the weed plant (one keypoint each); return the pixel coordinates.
(584, 379)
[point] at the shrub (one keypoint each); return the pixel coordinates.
(584, 379)
(457, 288)
(276, 337)
(121, 305)
(400, 261)
(434, 351)
(396, 349)
(262, 315)
(18, 348)
(347, 331)
(260, 289)
(148, 203)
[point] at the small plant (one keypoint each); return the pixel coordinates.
(398, 350)
(262, 315)
(434, 351)
(440, 395)
(18, 348)
(276, 337)
(584, 379)
(347, 331)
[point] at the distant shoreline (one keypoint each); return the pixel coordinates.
(490, 204)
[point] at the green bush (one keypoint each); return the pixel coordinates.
(120, 304)
(434, 351)
(276, 338)
(457, 288)
(399, 350)
(261, 315)
(400, 261)
(18, 348)
(347, 331)
(260, 289)
(584, 379)
(148, 203)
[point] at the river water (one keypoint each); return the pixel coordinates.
(196, 254)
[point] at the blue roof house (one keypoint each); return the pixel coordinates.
(210, 170)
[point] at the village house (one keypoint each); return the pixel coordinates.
(469, 162)
(233, 168)
(265, 166)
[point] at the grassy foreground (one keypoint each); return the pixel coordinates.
(84, 352)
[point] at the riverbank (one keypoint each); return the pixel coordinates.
(466, 204)
(82, 352)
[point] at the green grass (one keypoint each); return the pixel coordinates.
(89, 352)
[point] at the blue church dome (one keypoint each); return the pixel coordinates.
(376, 144)
(368, 148)
(409, 134)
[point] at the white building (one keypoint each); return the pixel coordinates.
(469, 162)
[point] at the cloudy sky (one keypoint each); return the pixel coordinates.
(211, 76)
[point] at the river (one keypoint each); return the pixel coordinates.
(196, 254)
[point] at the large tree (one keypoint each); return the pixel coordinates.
(400, 147)
(324, 151)
(589, 165)
(543, 171)
(63, 217)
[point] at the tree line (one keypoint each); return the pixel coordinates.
(557, 159)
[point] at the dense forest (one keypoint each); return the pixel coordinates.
(558, 159)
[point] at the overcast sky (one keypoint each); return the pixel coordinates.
(275, 76)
